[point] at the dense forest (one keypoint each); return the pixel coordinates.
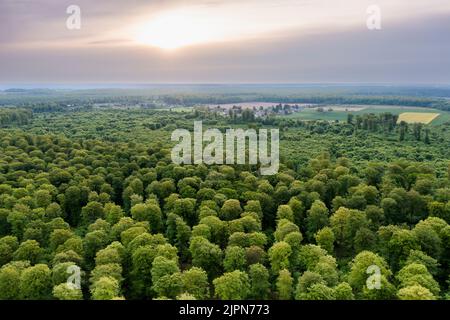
(94, 193)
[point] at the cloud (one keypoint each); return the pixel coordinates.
(413, 45)
(40, 22)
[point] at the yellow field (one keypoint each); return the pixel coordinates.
(417, 117)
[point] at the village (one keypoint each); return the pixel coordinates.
(258, 109)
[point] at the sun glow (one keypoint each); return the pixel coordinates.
(223, 21)
(198, 24)
(177, 29)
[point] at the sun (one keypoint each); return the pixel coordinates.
(176, 29)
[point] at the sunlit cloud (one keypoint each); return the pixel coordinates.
(223, 21)
(174, 24)
(225, 41)
(229, 21)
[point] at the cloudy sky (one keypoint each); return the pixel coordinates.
(225, 41)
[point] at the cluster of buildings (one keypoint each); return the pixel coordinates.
(258, 110)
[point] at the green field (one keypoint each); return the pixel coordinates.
(313, 114)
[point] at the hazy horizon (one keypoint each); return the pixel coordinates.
(101, 85)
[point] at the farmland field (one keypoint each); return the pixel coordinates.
(341, 115)
(417, 117)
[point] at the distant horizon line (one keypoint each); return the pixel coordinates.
(140, 85)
